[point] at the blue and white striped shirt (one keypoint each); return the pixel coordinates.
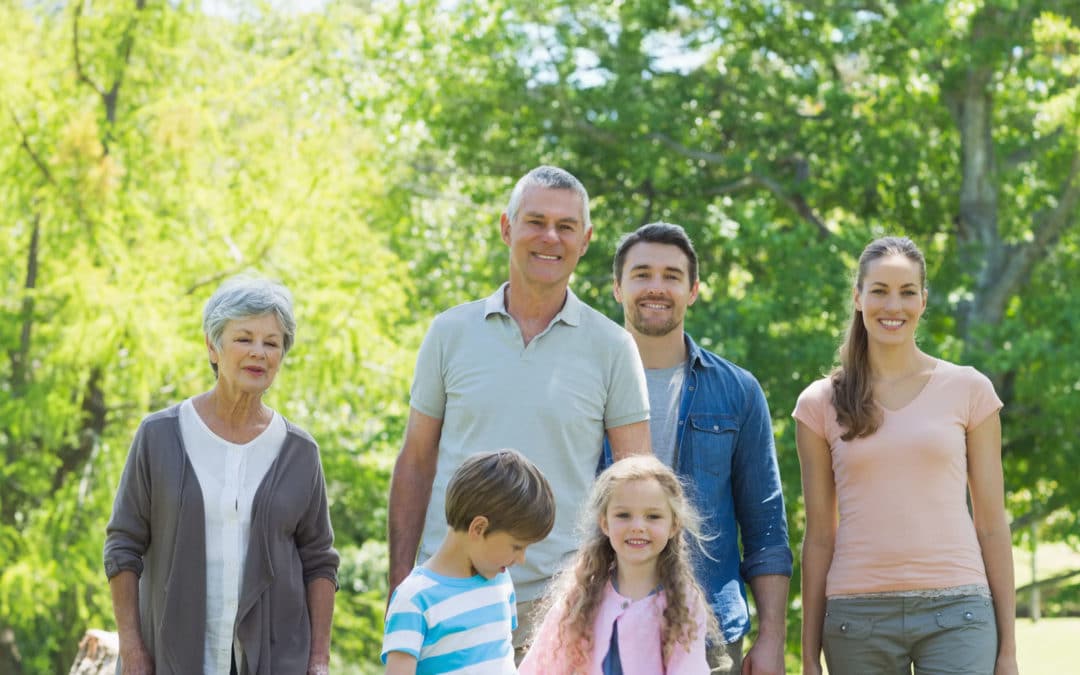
(453, 625)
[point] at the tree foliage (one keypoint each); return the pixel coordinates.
(362, 154)
(150, 151)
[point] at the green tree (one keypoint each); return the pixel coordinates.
(150, 151)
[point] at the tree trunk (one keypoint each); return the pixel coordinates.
(98, 653)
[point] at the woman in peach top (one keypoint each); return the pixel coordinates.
(895, 570)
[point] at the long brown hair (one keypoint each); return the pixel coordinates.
(580, 587)
(852, 389)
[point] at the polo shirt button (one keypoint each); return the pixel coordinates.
(843, 628)
(625, 604)
(716, 427)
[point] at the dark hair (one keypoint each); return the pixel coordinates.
(852, 390)
(507, 489)
(656, 233)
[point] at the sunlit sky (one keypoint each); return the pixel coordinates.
(231, 7)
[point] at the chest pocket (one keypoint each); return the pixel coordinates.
(712, 442)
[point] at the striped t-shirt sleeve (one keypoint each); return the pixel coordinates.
(405, 623)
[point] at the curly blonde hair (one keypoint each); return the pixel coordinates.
(579, 587)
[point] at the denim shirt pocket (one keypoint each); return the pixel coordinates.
(712, 442)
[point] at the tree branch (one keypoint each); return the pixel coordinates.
(1028, 152)
(1050, 581)
(92, 426)
(25, 143)
(79, 70)
(1020, 260)
(127, 44)
(20, 375)
(690, 153)
(796, 202)
(1056, 501)
(214, 278)
(111, 97)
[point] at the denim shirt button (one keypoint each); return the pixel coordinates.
(969, 616)
(843, 628)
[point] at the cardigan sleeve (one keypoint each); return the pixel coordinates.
(127, 534)
(546, 655)
(315, 535)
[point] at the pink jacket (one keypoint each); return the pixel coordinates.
(639, 641)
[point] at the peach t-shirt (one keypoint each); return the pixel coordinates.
(902, 491)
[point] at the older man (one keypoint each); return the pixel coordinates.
(530, 367)
(710, 422)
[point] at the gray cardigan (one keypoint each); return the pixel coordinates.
(157, 531)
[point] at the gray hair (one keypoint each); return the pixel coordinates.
(241, 297)
(549, 177)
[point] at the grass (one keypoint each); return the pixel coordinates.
(1047, 647)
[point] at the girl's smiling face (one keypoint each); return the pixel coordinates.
(638, 521)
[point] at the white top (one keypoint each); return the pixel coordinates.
(228, 474)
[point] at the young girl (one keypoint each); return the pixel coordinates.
(628, 604)
(893, 440)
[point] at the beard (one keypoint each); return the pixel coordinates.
(651, 329)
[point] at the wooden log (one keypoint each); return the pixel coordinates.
(98, 653)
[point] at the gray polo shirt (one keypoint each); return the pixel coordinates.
(550, 400)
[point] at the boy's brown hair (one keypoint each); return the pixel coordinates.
(507, 489)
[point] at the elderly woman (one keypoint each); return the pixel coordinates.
(219, 550)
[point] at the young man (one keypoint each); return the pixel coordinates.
(530, 367)
(709, 421)
(457, 610)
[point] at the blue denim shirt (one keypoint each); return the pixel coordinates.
(726, 455)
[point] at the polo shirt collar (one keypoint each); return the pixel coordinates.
(570, 313)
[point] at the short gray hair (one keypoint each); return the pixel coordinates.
(549, 177)
(241, 297)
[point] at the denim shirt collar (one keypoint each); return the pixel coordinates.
(694, 354)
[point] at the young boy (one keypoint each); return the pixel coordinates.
(457, 610)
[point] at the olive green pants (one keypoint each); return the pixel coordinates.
(725, 659)
(887, 636)
(527, 625)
